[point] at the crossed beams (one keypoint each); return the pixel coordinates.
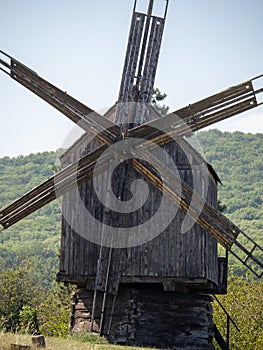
(180, 123)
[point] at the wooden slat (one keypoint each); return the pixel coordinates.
(47, 188)
(132, 56)
(221, 228)
(211, 119)
(45, 192)
(216, 99)
(85, 117)
(162, 130)
(181, 130)
(151, 60)
(249, 253)
(51, 189)
(210, 219)
(79, 165)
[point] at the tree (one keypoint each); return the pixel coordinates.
(157, 97)
(19, 295)
(221, 207)
(54, 311)
(26, 307)
(244, 304)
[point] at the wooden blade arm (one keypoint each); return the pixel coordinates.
(196, 116)
(181, 129)
(210, 219)
(76, 111)
(188, 200)
(53, 188)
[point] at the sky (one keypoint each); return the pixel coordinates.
(79, 46)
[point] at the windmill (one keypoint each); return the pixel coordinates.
(129, 285)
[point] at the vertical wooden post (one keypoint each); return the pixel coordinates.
(38, 341)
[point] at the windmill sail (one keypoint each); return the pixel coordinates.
(140, 65)
(225, 104)
(142, 56)
(76, 111)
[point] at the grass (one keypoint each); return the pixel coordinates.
(87, 342)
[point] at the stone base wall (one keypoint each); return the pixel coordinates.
(145, 315)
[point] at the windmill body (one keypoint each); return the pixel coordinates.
(162, 271)
(144, 276)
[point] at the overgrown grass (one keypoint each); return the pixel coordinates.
(85, 342)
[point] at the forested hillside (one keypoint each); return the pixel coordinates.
(36, 238)
(237, 158)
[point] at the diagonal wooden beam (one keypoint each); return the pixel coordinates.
(188, 200)
(76, 111)
(210, 219)
(224, 231)
(54, 187)
(200, 114)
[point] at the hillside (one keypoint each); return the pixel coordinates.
(35, 238)
(237, 158)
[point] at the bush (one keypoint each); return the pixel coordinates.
(19, 294)
(244, 304)
(28, 320)
(54, 312)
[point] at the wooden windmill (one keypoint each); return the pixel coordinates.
(154, 291)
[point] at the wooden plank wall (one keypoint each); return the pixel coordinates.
(171, 254)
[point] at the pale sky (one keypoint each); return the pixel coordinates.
(79, 45)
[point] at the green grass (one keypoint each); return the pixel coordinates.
(85, 342)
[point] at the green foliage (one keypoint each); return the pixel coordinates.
(19, 294)
(244, 304)
(28, 320)
(157, 97)
(25, 305)
(221, 207)
(54, 312)
(35, 238)
(238, 160)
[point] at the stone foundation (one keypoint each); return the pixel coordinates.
(145, 315)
